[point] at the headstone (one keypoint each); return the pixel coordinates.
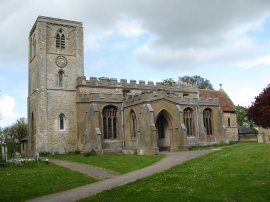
(260, 138)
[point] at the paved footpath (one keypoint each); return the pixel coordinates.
(92, 171)
(171, 159)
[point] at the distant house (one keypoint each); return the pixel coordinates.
(246, 134)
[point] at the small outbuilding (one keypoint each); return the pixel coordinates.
(246, 134)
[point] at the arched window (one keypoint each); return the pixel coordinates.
(60, 39)
(60, 78)
(61, 121)
(63, 41)
(57, 40)
(207, 121)
(133, 124)
(110, 122)
(188, 121)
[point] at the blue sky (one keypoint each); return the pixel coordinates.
(226, 42)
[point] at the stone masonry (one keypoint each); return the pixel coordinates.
(67, 112)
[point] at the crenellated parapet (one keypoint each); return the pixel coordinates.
(104, 82)
(158, 95)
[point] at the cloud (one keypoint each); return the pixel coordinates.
(7, 113)
(257, 62)
(228, 51)
(129, 28)
(244, 96)
(180, 31)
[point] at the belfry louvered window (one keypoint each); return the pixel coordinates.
(188, 121)
(60, 39)
(207, 121)
(110, 122)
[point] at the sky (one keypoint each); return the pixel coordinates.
(226, 42)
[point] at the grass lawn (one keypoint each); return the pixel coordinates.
(18, 183)
(120, 163)
(237, 173)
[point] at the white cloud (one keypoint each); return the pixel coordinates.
(179, 26)
(243, 96)
(7, 113)
(129, 28)
(228, 50)
(257, 62)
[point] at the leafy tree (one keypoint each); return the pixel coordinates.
(169, 81)
(15, 132)
(259, 111)
(196, 80)
(241, 114)
(21, 128)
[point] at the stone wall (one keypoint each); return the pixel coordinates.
(62, 102)
(230, 122)
(46, 99)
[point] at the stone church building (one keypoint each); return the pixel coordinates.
(69, 112)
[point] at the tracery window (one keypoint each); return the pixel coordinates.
(207, 121)
(110, 122)
(133, 124)
(61, 121)
(60, 78)
(188, 121)
(60, 39)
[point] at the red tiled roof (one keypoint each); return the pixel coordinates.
(226, 103)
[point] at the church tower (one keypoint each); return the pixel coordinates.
(55, 62)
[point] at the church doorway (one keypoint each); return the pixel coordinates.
(164, 130)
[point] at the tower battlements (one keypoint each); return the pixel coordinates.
(133, 84)
(137, 97)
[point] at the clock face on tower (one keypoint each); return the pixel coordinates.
(61, 61)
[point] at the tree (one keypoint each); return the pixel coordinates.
(241, 115)
(196, 80)
(21, 128)
(259, 111)
(15, 132)
(170, 81)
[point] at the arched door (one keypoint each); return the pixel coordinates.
(164, 131)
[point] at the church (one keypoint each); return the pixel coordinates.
(68, 112)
